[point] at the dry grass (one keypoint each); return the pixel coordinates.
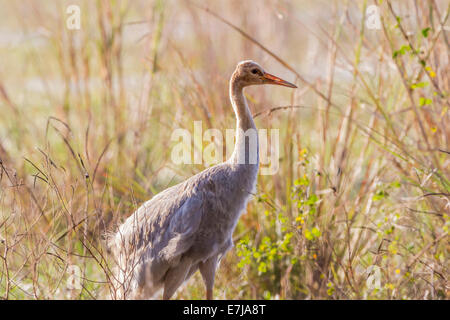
(362, 193)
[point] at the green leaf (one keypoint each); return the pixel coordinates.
(303, 181)
(309, 235)
(396, 184)
(381, 194)
(312, 199)
(424, 101)
(425, 32)
(312, 234)
(262, 268)
(401, 51)
(316, 232)
(420, 85)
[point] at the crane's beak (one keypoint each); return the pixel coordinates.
(271, 79)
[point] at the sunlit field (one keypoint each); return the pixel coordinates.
(358, 206)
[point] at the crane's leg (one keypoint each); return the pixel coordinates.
(175, 277)
(208, 271)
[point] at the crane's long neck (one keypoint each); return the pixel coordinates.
(246, 151)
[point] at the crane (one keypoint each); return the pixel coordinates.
(189, 226)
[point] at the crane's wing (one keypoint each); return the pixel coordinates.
(154, 238)
(182, 227)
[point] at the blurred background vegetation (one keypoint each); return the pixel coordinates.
(359, 208)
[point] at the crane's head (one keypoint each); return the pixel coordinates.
(249, 73)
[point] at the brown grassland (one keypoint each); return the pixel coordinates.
(359, 207)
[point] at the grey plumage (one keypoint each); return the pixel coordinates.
(189, 226)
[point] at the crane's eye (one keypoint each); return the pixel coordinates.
(255, 71)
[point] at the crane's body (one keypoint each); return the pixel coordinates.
(189, 226)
